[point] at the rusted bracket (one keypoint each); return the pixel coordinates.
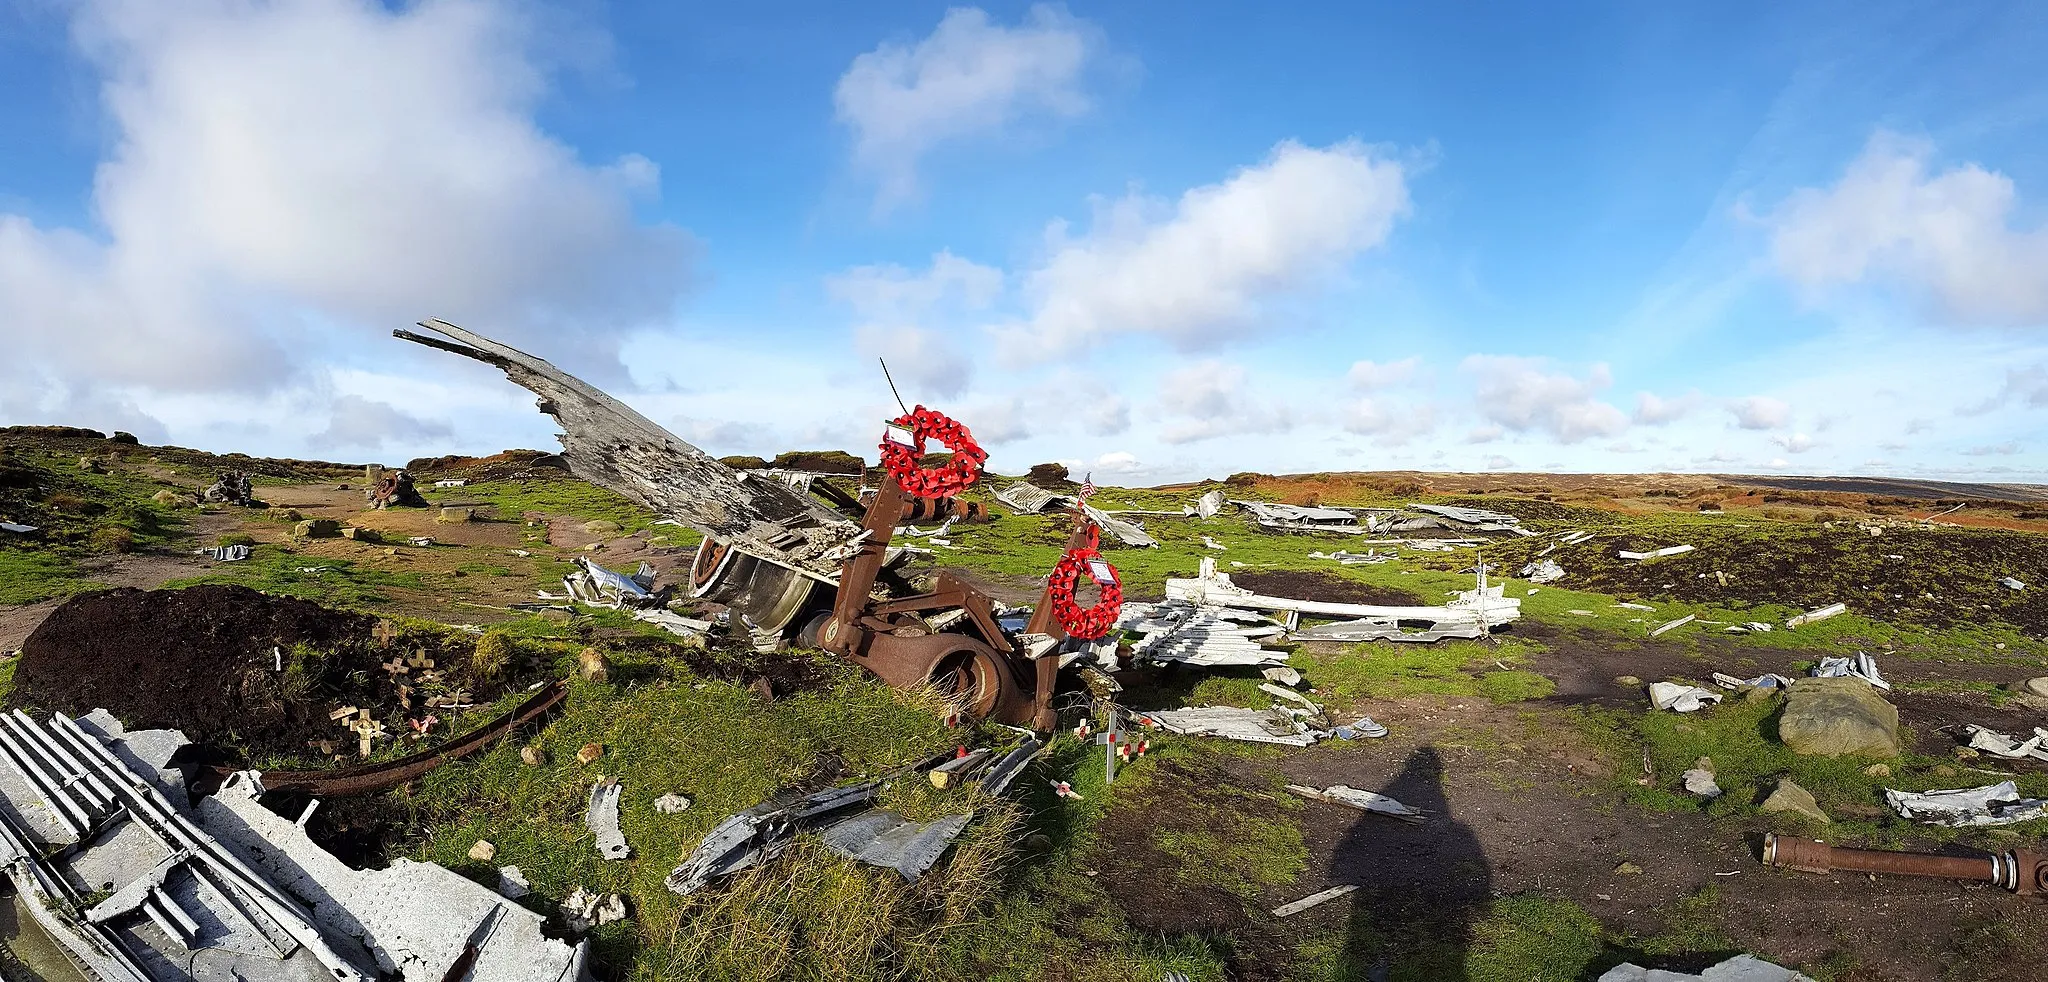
(367, 778)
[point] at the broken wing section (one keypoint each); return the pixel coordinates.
(608, 444)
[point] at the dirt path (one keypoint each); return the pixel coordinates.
(1515, 806)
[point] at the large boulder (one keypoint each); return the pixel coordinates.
(1833, 717)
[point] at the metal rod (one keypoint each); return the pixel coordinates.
(2020, 871)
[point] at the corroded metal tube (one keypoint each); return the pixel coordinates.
(2020, 871)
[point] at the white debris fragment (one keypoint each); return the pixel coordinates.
(1999, 745)
(1370, 801)
(512, 883)
(452, 483)
(1634, 606)
(1210, 543)
(1547, 571)
(1768, 681)
(1581, 613)
(2011, 583)
(1669, 625)
(670, 804)
(1313, 900)
(1819, 614)
(422, 541)
(1681, 698)
(1741, 968)
(1996, 804)
(1751, 627)
(1209, 504)
(1283, 675)
(1656, 553)
(225, 554)
(1862, 666)
(1699, 781)
(583, 910)
(602, 818)
(17, 529)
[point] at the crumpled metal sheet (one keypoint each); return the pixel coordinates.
(1681, 698)
(1998, 744)
(1862, 666)
(1372, 801)
(1233, 723)
(1994, 804)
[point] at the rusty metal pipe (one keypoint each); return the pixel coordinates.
(2020, 871)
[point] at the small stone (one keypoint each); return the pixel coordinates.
(391, 552)
(1967, 753)
(1790, 797)
(593, 665)
(1629, 869)
(1628, 681)
(512, 883)
(2037, 686)
(556, 615)
(456, 515)
(1704, 764)
(670, 804)
(360, 534)
(532, 756)
(593, 547)
(290, 515)
(589, 753)
(1877, 771)
(166, 497)
(483, 852)
(1701, 783)
(601, 527)
(317, 528)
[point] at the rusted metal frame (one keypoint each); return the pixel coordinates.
(848, 504)
(844, 634)
(1045, 718)
(366, 778)
(953, 593)
(2021, 871)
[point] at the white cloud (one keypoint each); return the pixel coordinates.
(1369, 376)
(725, 436)
(1718, 457)
(2027, 386)
(896, 309)
(2007, 448)
(1203, 268)
(357, 423)
(1119, 462)
(1889, 219)
(285, 171)
(1211, 398)
(1918, 425)
(1524, 395)
(1760, 413)
(969, 77)
(1778, 462)
(1653, 410)
(1622, 446)
(1795, 443)
(1891, 445)
(1496, 462)
(1485, 434)
(1392, 422)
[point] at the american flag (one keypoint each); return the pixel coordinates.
(1087, 486)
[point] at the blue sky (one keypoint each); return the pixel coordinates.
(1157, 241)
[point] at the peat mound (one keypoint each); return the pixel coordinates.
(198, 660)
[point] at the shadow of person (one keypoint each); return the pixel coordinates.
(1421, 886)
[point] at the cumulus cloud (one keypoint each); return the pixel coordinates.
(1654, 410)
(1496, 462)
(1891, 218)
(1485, 434)
(1760, 413)
(1778, 462)
(280, 168)
(971, 76)
(1369, 376)
(1526, 395)
(2005, 449)
(1795, 443)
(724, 436)
(2026, 386)
(367, 424)
(897, 308)
(1211, 398)
(1194, 271)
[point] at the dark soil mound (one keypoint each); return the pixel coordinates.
(197, 660)
(1304, 585)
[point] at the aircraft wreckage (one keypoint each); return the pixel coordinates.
(804, 560)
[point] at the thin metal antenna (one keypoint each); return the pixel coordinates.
(892, 387)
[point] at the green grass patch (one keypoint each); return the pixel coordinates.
(509, 500)
(29, 577)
